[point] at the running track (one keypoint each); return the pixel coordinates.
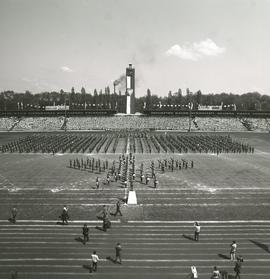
(159, 249)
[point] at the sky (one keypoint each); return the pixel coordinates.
(212, 45)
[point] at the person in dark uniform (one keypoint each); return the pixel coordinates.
(118, 206)
(14, 212)
(85, 231)
(238, 267)
(64, 216)
(106, 223)
(118, 252)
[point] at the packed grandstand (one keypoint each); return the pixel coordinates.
(203, 124)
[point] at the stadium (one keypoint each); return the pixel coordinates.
(168, 167)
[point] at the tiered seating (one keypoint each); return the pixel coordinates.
(127, 122)
(260, 124)
(7, 123)
(219, 124)
(40, 124)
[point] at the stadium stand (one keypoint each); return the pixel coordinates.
(127, 122)
(40, 124)
(7, 123)
(218, 124)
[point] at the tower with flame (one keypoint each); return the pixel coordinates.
(130, 90)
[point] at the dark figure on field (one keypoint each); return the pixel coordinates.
(238, 267)
(155, 183)
(197, 231)
(85, 231)
(147, 179)
(118, 206)
(97, 183)
(14, 275)
(64, 216)
(106, 224)
(105, 212)
(215, 274)
(142, 177)
(95, 260)
(14, 212)
(118, 252)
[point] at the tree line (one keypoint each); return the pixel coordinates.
(104, 99)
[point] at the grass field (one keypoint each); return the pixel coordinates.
(219, 189)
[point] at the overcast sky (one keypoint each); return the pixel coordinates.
(212, 45)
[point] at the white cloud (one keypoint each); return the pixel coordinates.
(195, 50)
(66, 69)
(182, 52)
(208, 48)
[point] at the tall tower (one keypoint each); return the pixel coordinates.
(130, 90)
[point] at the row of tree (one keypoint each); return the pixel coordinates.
(104, 99)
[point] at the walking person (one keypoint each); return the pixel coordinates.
(85, 231)
(193, 273)
(14, 275)
(64, 216)
(118, 252)
(106, 223)
(233, 250)
(147, 179)
(155, 183)
(14, 212)
(197, 231)
(95, 260)
(238, 267)
(118, 206)
(97, 183)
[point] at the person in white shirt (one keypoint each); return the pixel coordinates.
(233, 250)
(197, 231)
(95, 260)
(215, 274)
(194, 273)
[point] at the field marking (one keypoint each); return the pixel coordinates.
(146, 204)
(132, 234)
(129, 243)
(127, 273)
(142, 198)
(141, 189)
(210, 222)
(55, 221)
(142, 221)
(133, 248)
(130, 260)
(250, 228)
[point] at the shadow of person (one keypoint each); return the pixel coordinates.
(79, 239)
(99, 228)
(109, 258)
(88, 267)
(261, 245)
(11, 220)
(224, 256)
(188, 237)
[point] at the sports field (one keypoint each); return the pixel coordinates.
(229, 194)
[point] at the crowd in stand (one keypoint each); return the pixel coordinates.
(218, 124)
(133, 122)
(7, 123)
(40, 123)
